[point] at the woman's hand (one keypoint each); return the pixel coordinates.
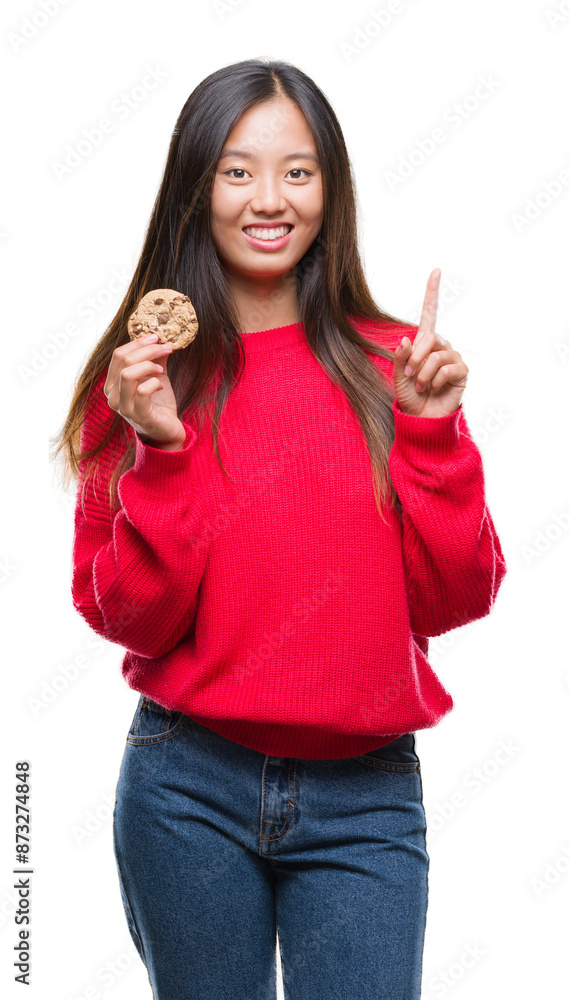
(434, 386)
(132, 386)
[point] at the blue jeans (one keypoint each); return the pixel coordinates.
(218, 846)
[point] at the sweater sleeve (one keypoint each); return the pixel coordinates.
(136, 572)
(452, 556)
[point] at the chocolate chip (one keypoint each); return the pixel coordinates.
(158, 302)
(163, 318)
(137, 328)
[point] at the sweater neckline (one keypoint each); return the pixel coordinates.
(278, 336)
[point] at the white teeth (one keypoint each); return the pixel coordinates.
(267, 234)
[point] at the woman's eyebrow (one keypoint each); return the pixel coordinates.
(302, 155)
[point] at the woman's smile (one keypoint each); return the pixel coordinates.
(265, 237)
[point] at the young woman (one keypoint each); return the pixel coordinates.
(274, 571)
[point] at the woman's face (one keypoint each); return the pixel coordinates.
(268, 176)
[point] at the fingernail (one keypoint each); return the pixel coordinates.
(151, 336)
(408, 370)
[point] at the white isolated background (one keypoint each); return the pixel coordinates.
(489, 205)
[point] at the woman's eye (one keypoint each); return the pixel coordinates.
(240, 170)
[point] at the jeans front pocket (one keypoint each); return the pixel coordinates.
(153, 723)
(398, 755)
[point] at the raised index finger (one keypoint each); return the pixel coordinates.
(430, 305)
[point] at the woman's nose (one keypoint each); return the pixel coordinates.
(268, 197)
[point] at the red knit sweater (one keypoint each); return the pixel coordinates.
(278, 609)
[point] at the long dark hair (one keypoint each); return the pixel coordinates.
(179, 253)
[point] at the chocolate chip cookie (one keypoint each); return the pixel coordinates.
(168, 313)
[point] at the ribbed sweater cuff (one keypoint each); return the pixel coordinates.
(436, 437)
(163, 468)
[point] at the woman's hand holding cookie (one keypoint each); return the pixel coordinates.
(138, 388)
(163, 321)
